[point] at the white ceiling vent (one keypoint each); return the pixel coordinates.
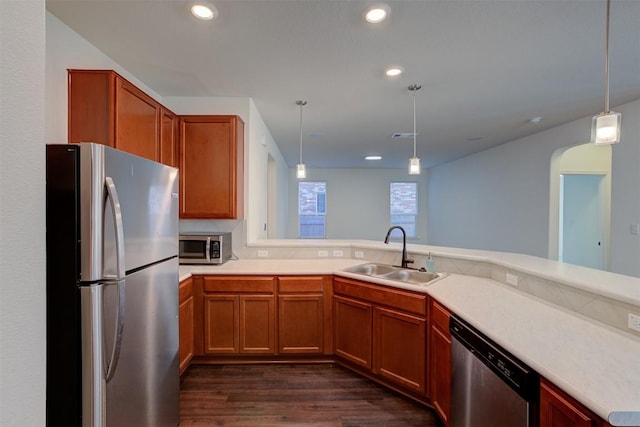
(403, 135)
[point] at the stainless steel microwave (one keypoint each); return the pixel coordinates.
(205, 249)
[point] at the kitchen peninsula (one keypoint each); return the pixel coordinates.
(569, 323)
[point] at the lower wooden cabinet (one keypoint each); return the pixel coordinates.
(265, 315)
(399, 348)
(302, 311)
(382, 329)
(353, 330)
(185, 319)
(239, 315)
(557, 409)
(440, 361)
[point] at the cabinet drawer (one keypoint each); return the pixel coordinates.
(296, 284)
(400, 299)
(440, 316)
(239, 284)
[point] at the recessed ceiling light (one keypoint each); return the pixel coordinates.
(393, 71)
(535, 120)
(204, 11)
(373, 158)
(377, 13)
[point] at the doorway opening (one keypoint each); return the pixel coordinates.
(580, 206)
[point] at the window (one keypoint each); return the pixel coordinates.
(312, 209)
(404, 207)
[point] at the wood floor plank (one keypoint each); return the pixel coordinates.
(290, 395)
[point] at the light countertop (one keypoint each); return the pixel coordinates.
(596, 364)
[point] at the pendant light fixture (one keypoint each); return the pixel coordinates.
(301, 170)
(414, 162)
(605, 127)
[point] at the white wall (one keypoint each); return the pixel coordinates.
(262, 146)
(499, 199)
(22, 213)
(358, 202)
(66, 49)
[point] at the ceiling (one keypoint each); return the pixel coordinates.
(485, 66)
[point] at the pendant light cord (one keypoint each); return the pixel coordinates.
(414, 88)
(301, 104)
(606, 63)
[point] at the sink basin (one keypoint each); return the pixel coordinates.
(411, 276)
(398, 274)
(372, 269)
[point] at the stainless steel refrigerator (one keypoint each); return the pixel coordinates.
(112, 289)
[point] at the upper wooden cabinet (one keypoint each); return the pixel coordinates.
(168, 138)
(211, 167)
(105, 108)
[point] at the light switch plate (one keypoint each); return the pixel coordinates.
(263, 254)
(359, 254)
(337, 253)
(323, 253)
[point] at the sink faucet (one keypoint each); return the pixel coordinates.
(405, 261)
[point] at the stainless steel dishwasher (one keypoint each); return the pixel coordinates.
(489, 386)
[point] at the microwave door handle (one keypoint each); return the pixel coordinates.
(112, 194)
(207, 249)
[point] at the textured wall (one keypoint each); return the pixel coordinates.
(22, 213)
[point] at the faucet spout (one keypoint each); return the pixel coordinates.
(405, 262)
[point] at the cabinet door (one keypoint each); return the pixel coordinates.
(168, 138)
(90, 109)
(257, 324)
(185, 317)
(399, 348)
(439, 373)
(300, 323)
(211, 167)
(559, 410)
(221, 324)
(353, 330)
(137, 118)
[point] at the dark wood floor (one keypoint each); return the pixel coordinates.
(292, 395)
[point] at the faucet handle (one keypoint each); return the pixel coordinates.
(409, 261)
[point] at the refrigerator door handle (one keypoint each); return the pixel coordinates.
(93, 382)
(112, 194)
(111, 365)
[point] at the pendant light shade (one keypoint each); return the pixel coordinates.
(301, 170)
(414, 162)
(605, 127)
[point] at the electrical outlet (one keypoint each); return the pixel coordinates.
(359, 254)
(634, 322)
(323, 253)
(338, 253)
(512, 279)
(263, 254)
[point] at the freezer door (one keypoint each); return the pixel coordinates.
(144, 388)
(148, 203)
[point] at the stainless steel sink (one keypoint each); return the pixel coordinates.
(398, 274)
(411, 276)
(372, 269)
